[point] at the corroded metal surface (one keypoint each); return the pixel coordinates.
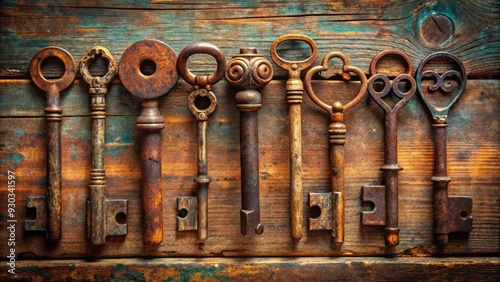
(48, 210)
(390, 167)
(337, 130)
(294, 91)
(249, 70)
(150, 122)
(98, 211)
(451, 214)
(201, 111)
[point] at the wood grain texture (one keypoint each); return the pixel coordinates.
(262, 269)
(473, 163)
(361, 28)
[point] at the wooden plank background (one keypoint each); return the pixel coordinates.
(360, 29)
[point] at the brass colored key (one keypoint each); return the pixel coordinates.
(294, 91)
(451, 213)
(101, 211)
(251, 71)
(331, 204)
(48, 208)
(188, 217)
(150, 122)
(388, 201)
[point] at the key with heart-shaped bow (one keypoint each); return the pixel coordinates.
(451, 213)
(385, 197)
(193, 211)
(331, 205)
(294, 91)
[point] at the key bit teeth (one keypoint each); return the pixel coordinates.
(39, 203)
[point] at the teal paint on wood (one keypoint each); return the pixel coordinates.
(17, 158)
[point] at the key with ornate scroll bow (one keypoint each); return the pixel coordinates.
(451, 213)
(385, 198)
(150, 87)
(294, 91)
(48, 208)
(193, 211)
(250, 71)
(331, 205)
(102, 212)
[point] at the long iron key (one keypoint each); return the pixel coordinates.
(375, 193)
(150, 87)
(101, 211)
(331, 204)
(249, 70)
(188, 218)
(48, 208)
(294, 91)
(451, 213)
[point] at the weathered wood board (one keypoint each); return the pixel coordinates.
(361, 29)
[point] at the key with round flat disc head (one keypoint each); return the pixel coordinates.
(150, 87)
(294, 91)
(385, 198)
(102, 212)
(193, 212)
(48, 209)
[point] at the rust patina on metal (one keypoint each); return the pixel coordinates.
(48, 208)
(451, 213)
(390, 167)
(150, 87)
(249, 70)
(331, 204)
(294, 91)
(187, 218)
(101, 211)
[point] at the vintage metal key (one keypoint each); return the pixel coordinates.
(451, 213)
(386, 202)
(197, 218)
(250, 71)
(150, 87)
(101, 211)
(294, 91)
(48, 208)
(331, 204)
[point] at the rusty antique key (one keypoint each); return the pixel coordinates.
(451, 213)
(48, 208)
(249, 70)
(331, 204)
(193, 211)
(101, 211)
(150, 87)
(385, 198)
(294, 91)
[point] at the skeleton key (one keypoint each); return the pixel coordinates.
(199, 220)
(376, 193)
(294, 90)
(451, 213)
(48, 208)
(251, 71)
(150, 87)
(331, 204)
(101, 211)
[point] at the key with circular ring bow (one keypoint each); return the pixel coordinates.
(48, 208)
(451, 213)
(385, 198)
(294, 91)
(193, 211)
(150, 87)
(331, 204)
(101, 211)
